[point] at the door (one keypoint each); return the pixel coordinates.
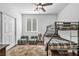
(8, 31)
(0, 29)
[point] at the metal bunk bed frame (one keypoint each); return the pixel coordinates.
(56, 35)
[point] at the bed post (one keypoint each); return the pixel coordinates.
(78, 41)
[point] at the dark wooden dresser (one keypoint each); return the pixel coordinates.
(3, 49)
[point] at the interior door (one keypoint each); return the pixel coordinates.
(8, 31)
(0, 29)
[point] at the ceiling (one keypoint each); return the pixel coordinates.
(28, 8)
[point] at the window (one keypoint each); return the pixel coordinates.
(28, 24)
(32, 24)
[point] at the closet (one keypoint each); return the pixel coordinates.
(7, 30)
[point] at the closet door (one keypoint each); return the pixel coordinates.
(0, 28)
(8, 31)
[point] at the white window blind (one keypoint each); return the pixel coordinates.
(32, 24)
(28, 24)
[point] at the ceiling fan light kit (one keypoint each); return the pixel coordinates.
(40, 6)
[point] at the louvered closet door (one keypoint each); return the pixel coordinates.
(8, 31)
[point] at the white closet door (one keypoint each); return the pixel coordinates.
(8, 31)
(0, 30)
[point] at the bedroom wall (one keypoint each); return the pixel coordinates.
(69, 14)
(43, 21)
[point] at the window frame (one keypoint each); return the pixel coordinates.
(32, 24)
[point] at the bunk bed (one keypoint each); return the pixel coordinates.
(56, 44)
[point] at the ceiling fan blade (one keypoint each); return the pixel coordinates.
(47, 4)
(36, 9)
(43, 9)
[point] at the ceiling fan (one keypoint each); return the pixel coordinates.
(40, 6)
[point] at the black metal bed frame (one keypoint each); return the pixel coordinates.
(56, 33)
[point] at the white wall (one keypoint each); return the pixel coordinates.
(69, 14)
(43, 21)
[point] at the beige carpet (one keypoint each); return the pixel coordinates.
(27, 50)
